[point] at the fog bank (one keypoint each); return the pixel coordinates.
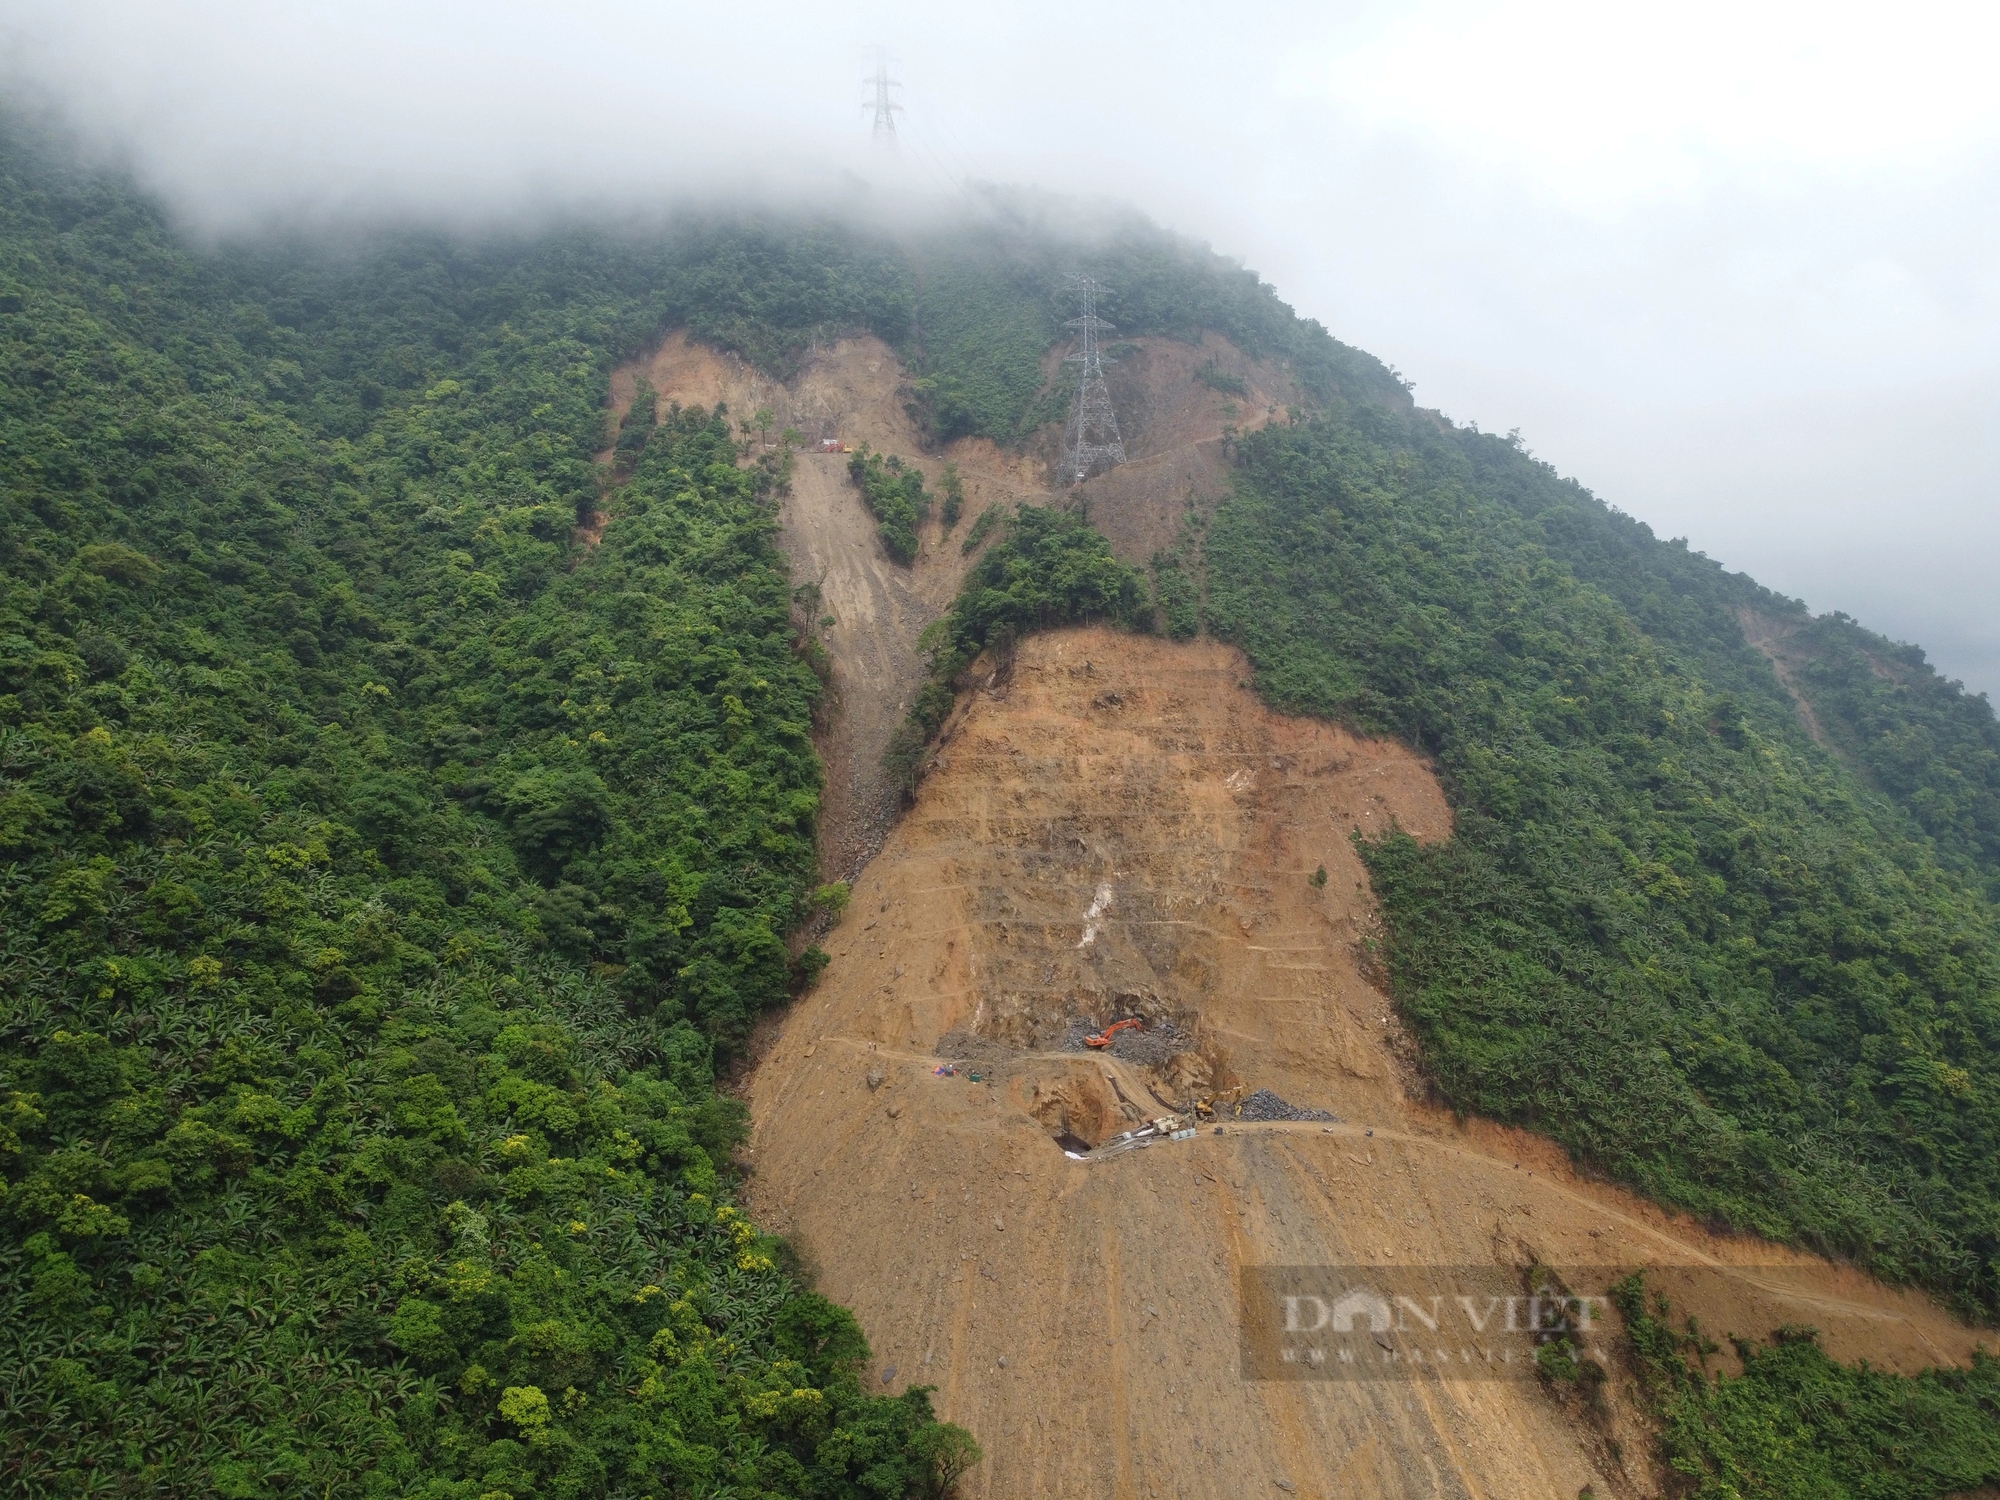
(1737, 268)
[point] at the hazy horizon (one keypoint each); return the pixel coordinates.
(1736, 269)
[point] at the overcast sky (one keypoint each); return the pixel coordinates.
(1734, 266)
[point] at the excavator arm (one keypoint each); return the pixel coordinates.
(1103, 1038)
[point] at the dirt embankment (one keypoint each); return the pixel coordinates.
(1122, 828)
(1172, 395)
(870, 611)
(1177, 428)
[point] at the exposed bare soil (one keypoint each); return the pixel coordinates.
(1773, 638)
(1121, 828)
(1176, 430)
(1143, 506)
(1118, 827)
(878, 610)
(1163, 404)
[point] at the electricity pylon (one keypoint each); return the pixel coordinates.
(886, 108)
(1091, 443)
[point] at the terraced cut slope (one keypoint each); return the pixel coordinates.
(1119, 826)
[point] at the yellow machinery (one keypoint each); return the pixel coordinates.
(1208, 1106)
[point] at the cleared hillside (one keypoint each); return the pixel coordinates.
(1673, 932)
(1109, 826)
(1118, 827)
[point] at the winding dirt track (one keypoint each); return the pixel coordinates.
(1798, 1284)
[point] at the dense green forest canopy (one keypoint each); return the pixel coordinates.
(1755, 977)
(386, 866)
(895, 496)
(1794, 1424)
(383, 872)
(989, 301)
(1050, 568)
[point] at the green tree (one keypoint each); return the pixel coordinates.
(895, 496)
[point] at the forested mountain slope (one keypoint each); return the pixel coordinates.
(1727, 931)
(1916, 738)
(380, 877)
(1713, 957)
(383, 865)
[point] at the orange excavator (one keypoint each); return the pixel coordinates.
(1103, 1038)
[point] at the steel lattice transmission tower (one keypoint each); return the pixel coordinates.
(1091, 443)
(886, 108)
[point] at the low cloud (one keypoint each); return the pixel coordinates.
(1749, 292)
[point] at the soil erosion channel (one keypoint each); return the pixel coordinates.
(853, 392)
(1116, 826)
(848, 392)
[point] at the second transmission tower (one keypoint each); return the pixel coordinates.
(1092, 443)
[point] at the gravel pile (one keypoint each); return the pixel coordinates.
(1150, 1045)
(1265, 1105)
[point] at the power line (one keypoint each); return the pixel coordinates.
(961, 167)
(937, 165)
(1091, 444)
(911, 134)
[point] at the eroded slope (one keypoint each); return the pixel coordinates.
(1120, 827)
(849, 391)
(854, 391)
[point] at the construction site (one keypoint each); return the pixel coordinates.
(1104, 1029)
